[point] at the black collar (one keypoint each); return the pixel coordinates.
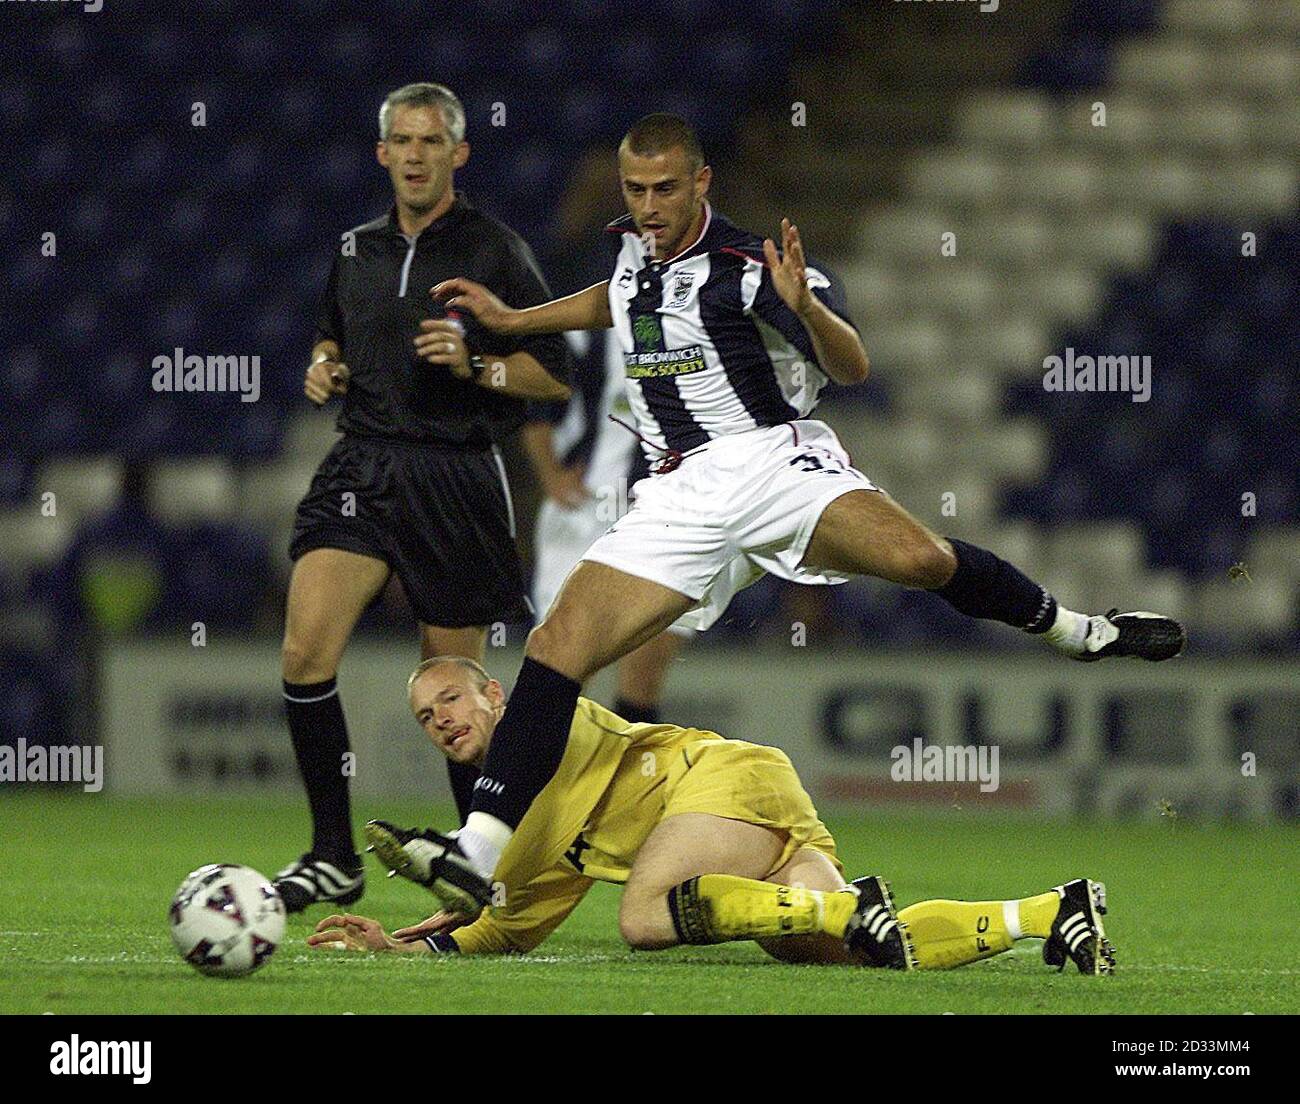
(460, 207)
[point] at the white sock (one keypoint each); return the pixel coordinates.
(1011, 919)
(1068, 631)
(482, 840)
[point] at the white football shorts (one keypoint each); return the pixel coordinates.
(738, 507)
(561, 538)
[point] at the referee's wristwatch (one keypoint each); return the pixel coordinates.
(477, 366)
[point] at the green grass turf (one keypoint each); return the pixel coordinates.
(1202, 915)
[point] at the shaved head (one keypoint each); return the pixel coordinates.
(660, 133)
(479, 676)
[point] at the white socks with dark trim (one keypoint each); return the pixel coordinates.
(482, 840)
(1068, 632)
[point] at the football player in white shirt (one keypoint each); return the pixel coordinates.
(586, 463)
(727, 337)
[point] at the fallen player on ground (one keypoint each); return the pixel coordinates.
(714, 840)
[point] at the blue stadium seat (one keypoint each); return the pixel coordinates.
(1110, 18)
(165, 47)
(252, 49)
(255, 433)
(583, 113)
(1072, 66)
(546, 54)
(1225, 400)
(15, 478)
(217, 239)
(17, 104)
(218, 575)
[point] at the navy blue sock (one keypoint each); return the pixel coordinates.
(320, 740)
(462, 777)
(988, 587)
(637, 714)
(528, 743)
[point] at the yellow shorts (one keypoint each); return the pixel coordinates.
(751, 783)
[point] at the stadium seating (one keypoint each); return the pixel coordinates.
(1120, 238)
(215, 238)
(1125, 238)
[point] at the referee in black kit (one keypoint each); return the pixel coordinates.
(416, 485)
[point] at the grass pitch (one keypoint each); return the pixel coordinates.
(1202, 917)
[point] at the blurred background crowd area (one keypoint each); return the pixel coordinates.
(1169, 231)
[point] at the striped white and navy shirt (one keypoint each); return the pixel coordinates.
(709, 348)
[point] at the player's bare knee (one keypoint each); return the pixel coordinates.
(302, 664)
(546, 642)
(558, 643)
(637, 923)
(931, 563)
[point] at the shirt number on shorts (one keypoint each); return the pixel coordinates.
(811, 463)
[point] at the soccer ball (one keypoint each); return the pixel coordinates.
(226, 919)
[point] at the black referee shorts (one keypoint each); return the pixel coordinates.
(442, 520)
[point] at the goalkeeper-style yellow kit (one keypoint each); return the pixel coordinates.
(616, 782)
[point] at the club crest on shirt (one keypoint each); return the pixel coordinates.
(680, 290)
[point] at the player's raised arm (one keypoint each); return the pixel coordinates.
(518, 374)
(838, 348)
(586, 310)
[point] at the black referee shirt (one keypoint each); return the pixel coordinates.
(375, 300)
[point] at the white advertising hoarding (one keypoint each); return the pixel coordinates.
(1202, 736)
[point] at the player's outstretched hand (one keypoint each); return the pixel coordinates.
(349, 932)
(436, 924)
(466, 295)
(325, 378)
(789, 271)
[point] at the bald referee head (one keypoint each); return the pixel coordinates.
(664, 179)
(422, 144)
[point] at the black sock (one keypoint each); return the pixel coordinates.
(463, 776)
(320, 740)
(528, 743)
(637, 714)
(985, 586)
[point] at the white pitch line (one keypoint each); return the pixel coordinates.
(1207, 970)
(299, 958)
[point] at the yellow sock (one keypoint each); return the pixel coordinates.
(1037, 914)
(952, 933)
(717, 908)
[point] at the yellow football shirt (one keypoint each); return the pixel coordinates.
(616, 782)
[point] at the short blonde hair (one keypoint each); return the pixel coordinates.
(473, 666)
